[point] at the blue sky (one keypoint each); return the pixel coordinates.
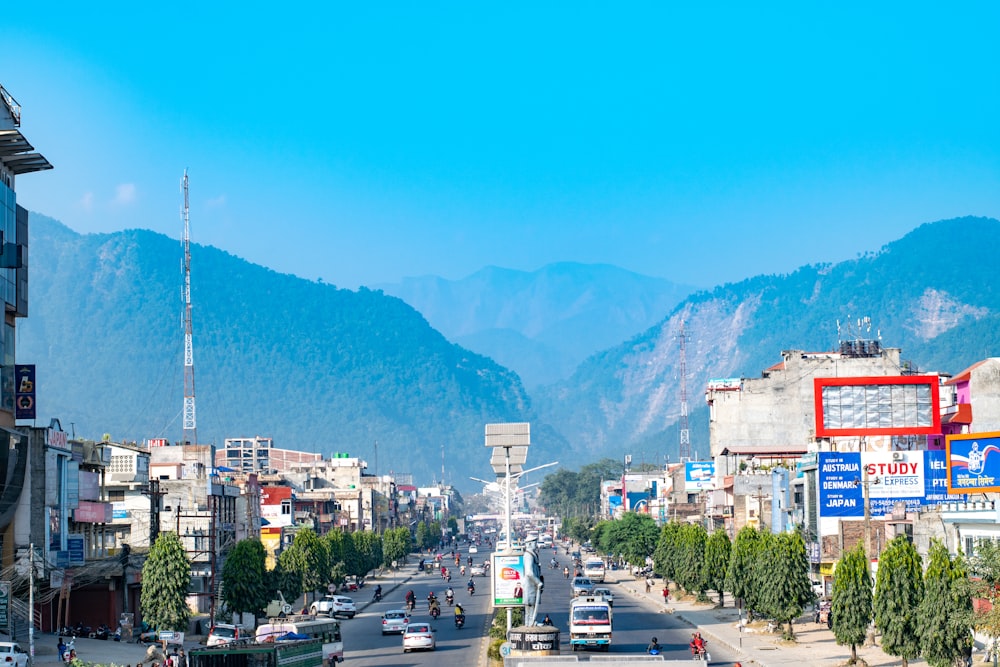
(359, 144)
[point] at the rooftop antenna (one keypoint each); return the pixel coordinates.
(190, 423)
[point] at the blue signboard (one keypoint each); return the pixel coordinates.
(914, 478)
(973, 462)
(75, 550)
(699, 475)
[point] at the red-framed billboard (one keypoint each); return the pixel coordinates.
(881, 405)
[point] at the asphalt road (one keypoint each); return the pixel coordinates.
(364, 643)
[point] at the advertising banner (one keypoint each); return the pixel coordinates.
(699, 475)
(24, 393)
(913, 478)
(973, 462)
(508, 580)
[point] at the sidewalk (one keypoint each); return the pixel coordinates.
(814, 643)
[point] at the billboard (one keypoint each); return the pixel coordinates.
(970, 468)
(508, 580)
(914, 478)
(699, 475)
(24, 394)
(883, 405)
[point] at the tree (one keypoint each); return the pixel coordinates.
(369, 547)
(283, 579)
(422, 541)
(633, 537)
(899, 588)
(666, 556)
(692, 558)
(396, 545)
(783, 567)
(601, 536)
(242, 575)
(718, 553)
(945, 612)
(740, 577)
(851, 608)
(986, 567)
(307, 558)
(166, 577)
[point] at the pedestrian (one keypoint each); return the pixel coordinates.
(649, 584)
(666, 594)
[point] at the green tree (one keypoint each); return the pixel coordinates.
(434, 534)
(740, 577)
(666, 556)
(600, 536)
(693, 538)
(369, 547)
(285, 578)
(633, 537)
(945, 612)
(899, 588)
(242, 575)
(307, 558)
(986, 567)
(784, 585)
(166, 578)
(396, 545)
(851, 608)
(422, 540)
(718, 553)
(334, 541)
(453, 526)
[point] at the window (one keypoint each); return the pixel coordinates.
(116, 495)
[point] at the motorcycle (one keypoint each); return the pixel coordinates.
(69, 651)
(459, 621)
(701, 654)
(435, 612)
(450, 599)
(377, 597)
(103, 632)
(411, 604)
(472, 589)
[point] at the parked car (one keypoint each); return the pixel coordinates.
(605, 593)
(12, 654)
(582, 586)
(478, 570)
(418, 636)
(395, 620)
(223, 633)
(333, 606)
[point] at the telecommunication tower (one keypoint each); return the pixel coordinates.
(190, 423)
(685, 449)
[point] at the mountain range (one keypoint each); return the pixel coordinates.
(398, 383)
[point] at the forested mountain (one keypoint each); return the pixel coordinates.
(329, 370)
(315, 367)
(541, 324)
(932, 293)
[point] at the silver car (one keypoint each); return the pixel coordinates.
(395, 620)
(582, 586)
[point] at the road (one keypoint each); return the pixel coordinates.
(636, 621)
(365, 645)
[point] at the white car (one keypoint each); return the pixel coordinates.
(478, 570)
(395, 620)
(418, 636)
(473, 549)
(12, 654)
(223, 633)
(333, 606)
(605, 593)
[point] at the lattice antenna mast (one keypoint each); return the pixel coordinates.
(190, 423)
(685, 448)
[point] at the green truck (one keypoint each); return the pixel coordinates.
(305, 653)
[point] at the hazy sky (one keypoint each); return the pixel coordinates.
(360, 142)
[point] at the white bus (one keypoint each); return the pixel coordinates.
(325, 629)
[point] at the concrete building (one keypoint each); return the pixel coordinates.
(258, 454)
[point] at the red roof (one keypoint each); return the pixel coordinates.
(966, 374)
(961, 415)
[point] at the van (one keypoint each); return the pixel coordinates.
(223, 633)
(594, 569)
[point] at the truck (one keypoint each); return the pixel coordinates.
(593, 569)
(302, 653)
(590, 623)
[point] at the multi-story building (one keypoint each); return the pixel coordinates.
(258, 454)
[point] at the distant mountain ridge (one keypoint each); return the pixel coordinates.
(543, 323)
(934, 293)
(323, 369)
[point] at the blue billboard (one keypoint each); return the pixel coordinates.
(917, 479)
(973, 462)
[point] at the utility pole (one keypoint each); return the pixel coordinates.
(154, 493)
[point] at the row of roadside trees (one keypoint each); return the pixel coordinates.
(307, 565)
(919, 612)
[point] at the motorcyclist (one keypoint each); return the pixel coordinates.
(411, 599)
(378, 593)
(566, 572)
(697, 644)
(434, 607)
(431, 598)
(654, 647)
(459, 611)
(471, 586)
(552, 563)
